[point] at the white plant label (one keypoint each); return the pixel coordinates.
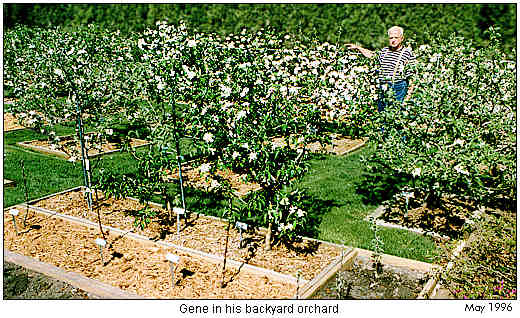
(172, 258)
(242, 226)
(101, 242)
(178, 210)
(87, 164)
(14, 212)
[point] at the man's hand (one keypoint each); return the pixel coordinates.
(365, 52)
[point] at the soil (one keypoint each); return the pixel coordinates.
(132, 265)
(340, 145)
(11, 123)
(22, 283)
(202, 233)
(194, 178)
(360, 282)
(449, 219)
(68, 146)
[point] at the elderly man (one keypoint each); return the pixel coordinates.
(392, 60)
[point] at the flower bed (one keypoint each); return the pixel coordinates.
(69, 143)
(133, 265)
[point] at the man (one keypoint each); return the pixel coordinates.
(392, 73)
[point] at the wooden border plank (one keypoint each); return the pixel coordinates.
(321, 279)
(61, 154)
(358, 146)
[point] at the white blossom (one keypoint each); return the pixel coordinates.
(140, 43)
(205, 167)
(58, 72)
(244, 92)
(460, 169)
(226, 91)
(241, 114)
(208, 137)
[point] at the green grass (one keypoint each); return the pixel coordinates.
(333, 180)
(331, 183)
(12, 137)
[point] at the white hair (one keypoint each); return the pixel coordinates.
(396, 28)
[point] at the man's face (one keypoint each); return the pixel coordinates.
(395, 39)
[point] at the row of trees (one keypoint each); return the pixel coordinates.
(253, 105)
(335, 23)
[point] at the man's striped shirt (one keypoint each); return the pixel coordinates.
(394, 62)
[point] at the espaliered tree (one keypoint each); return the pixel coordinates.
(162, 83)
(72, 78)
(254, 125)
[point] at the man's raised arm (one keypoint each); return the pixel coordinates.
(365, 52)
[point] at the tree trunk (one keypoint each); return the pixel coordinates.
(268, 237)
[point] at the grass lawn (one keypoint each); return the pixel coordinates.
(331, 182)
(333, 179)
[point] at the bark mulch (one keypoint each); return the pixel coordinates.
(132, 265)
(202, 233)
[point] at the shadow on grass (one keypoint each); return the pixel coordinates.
(379, 184)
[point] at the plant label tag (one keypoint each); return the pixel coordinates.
(172, 258)
(14, 212)
(101, 242)
(242, 226)
(87, 164)
(178, 210)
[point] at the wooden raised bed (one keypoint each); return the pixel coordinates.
(44, 146)
(137, 266)
(421, 228)
(401, 278)
(11, 123)
(202, 239)
(340, 145)
(194, 178)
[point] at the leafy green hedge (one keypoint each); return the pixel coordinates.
(362, 23)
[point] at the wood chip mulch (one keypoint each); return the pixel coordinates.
(340, 145)
(193, 177)
(133, 265)
(202, 233)
(11, 123)
(70, 145)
